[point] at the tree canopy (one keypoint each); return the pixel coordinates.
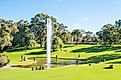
(29, 34)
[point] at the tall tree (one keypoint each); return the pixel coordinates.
(38, 26)
(7, 29)
(109, 34)
(64, 34)
(88, 37)
(24, 37)
(57, 43)
(77, 35)
(118, 25)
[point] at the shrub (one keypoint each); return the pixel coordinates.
(4, 60)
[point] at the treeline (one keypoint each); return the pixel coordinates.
(110, 34)
(29, 34)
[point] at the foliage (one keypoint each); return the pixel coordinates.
(38, 27)
(7, 29)
(28, 34)
(57, 43)
(77, 35)
(89, 38)
(109, 34)
(24, 37)
(118, 25)
(4, 60)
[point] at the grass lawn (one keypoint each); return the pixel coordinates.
(71, 72)
(82, 72)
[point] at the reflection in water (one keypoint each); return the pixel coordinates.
(58, 63)
(54, 63)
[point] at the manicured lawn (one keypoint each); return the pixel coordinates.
(74, 72)
(71, 72)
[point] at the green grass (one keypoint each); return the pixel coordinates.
(72, 72)
(83, 72)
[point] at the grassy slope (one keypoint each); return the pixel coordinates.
(82, 72)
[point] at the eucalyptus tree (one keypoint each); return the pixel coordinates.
(57, 43)
(95, 39)
(88, 37)
(7, 29)
(118, 25)
(109, 34)
(24, 37)
(63, 33)
(77, 35)
(66, 36)
(38, 26)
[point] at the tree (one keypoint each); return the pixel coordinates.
(38, 26)
(95, 39)
(24, 37)
(109, 34)
(88, 37)
(57, 43)
(118, 25)
(4, 60)
(77, 35)
(7, 29)
(64, 34)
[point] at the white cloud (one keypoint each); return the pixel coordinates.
(76, 26)
(85, 18)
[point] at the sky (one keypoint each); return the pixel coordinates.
(89, 15)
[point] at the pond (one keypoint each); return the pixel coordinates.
(57, 62)
(41, 61)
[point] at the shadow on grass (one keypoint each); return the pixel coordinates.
(96, 49)
(103, 58)
(68, 46)
(117, 62)
(20, 49)
(16, 49)
(36, 53)
(118, 51)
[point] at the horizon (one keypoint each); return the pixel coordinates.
(79, 14)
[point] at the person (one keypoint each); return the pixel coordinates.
(24, 58)
(78, 55)
(32, 68)
(21, 57)
(36, 68)
(89, 64)
(39, 68)
(43, 67)
(56, 57)
(77, 62)
(34, 59)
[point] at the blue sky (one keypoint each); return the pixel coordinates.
(83, 14)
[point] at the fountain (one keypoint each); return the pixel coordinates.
(49, 33)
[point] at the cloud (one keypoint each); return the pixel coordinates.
(76, 26)
(85, 18)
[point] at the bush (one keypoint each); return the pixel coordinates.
(4, 60)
